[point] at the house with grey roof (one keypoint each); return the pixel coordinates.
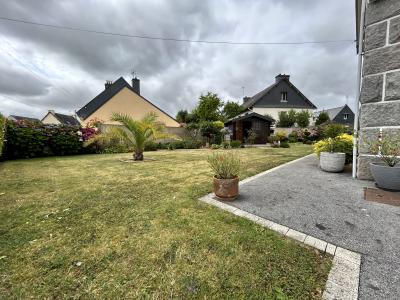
(59, 119)
(21, 118)
(338, 115)
(282, 95)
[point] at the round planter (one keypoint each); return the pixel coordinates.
(332, 161)
(386, 177)
(226, 189)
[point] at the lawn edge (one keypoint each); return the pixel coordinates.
(343, 278)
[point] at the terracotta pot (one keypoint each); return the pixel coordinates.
(226, 189)
(386, 177)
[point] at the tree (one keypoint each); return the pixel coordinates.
(133, 133)
(231, 109)
(303, 118)
(286, 119)
(322, 118)
(209, 108)
(182, 116)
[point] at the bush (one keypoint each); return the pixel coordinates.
(226, 145)
(151, 146)
(2, 131)
(322, 118)
(286, 119)
(341, 143)
(236, 144)
(284, 144)
(27, 139)
(226, 165)
(333, 130)
(281, 136)
(215, 146)
(191, 143)
(292, 137)
(303, 118)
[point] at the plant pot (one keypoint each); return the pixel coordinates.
(386, 177)
(226, 189)
(332, 161)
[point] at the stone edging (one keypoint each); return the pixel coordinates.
(343, 279)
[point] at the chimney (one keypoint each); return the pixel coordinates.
(281, 77)
(136, 85)
(108, 84)
(245, 99)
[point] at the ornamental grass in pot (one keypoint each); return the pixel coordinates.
(387, 172)
(226, 167)
(333, 153)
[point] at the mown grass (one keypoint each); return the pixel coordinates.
(95, 227)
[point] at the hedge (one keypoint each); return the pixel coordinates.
(26, 139)
(2, 131)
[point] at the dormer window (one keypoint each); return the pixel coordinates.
(283, 96)
(345, 116)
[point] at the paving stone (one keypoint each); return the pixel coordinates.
(309, 240)
(297, 235)
(320, 245)
(348, 255)
(336, 292)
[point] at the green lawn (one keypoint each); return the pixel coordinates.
(93, 226)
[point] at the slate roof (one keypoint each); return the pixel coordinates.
(332, 112)
(21, 118)
(106, 95)
(248, 114)
(253, 100)
(66, 120)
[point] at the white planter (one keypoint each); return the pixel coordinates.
(332, 161)
(386, 177)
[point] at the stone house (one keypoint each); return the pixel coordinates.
(379, 100)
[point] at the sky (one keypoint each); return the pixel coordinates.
(43, 68)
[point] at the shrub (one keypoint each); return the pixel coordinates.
(27, 139)
(151, 146)
(292, 137)
(215, 146)
(387, 149)
(286, 119)
(2, 132)
(322, 118)
(281, 136)
(191, 143)
(251, 138)
(341, 143)
(176, 145)
(226, 145)
(236, 144)
(303, 118)
(225, 165)
(284, 144)
(333, 130)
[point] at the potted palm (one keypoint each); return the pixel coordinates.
(387, 172)
(331, 159)
(226, 167)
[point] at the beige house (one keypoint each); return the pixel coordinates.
(121, 97)
(57, 119)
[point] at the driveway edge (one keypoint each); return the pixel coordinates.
(343, 278)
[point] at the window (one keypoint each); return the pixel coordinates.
(283, 96)
(345, 116)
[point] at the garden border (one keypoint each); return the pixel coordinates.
(343, 278)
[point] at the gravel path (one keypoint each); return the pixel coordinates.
(331, 207)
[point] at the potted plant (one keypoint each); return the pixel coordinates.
(387, 172)
(226, 168)
(331, 159)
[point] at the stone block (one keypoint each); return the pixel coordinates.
(371, 134)
(379, 10)
(382, 60)
(297, 235)
(380, 114)
(392, 88)
(371, 90)
(394, 31)
(375, 36)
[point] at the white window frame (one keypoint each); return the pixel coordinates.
(345, 116)
(283, 96)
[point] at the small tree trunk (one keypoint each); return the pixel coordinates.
(138, 155)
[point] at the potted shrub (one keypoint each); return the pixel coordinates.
(332, 152)
(387, 172)
(226, 168)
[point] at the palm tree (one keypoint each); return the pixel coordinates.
(133, 133)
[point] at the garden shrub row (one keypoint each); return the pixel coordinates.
(2, 132)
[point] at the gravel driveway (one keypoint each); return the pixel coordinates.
(331, 207)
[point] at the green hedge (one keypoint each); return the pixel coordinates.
(25, 139)
(2, 131)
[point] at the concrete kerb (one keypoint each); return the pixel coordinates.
(343, 279)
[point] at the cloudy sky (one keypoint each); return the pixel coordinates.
(43, 68)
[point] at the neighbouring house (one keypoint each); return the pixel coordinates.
(241, 125)
(380, 77)
(339, 115)
(121, 97)
(282, 95)
(20, 118)
(59, 119)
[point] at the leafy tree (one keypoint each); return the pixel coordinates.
(292, 115)
(286, 119)
(209, 108)
(231, 109)
(322, 118)
(303, 118)
(135, 134)
(182, 116)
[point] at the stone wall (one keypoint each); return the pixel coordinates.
(380, 91)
